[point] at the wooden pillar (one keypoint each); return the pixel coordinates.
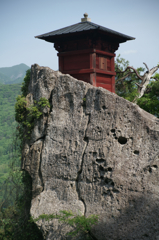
(93, 79)
(61, 67)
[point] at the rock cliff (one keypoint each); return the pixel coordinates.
(94, 152)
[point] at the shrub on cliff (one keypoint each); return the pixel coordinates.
(79, 223)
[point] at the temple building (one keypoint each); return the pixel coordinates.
(86, 51)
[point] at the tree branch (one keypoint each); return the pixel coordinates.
(145, 79)
(153, 70)
(146, 66)
(138, 85)
(136, 72)
(155, 78)
(120, 79)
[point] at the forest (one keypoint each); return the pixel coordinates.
(8, 94)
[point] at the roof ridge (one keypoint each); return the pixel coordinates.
(82, 26)
(93, 24)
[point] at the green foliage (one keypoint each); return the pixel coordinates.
(3, 78)
(8, 94)
(26, 115)
(79, 223)
(14, 219)
(16, 190)
(156, 75)
(25, 83)
(150, 101)
(126, 88)
(20, 108)
(43, 102)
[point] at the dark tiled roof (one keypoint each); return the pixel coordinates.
(80, 27)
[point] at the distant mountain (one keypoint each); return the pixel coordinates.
(12, 75)
(3, 78)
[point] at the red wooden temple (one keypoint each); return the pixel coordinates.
(86, 51)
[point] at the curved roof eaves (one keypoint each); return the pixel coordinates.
(82, 26)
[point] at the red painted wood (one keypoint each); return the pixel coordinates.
(105, 72)
(112, 65)
(108, 63)
(113, 84)
(104, 53)
(94, 70)
(104, 79)
(79, 71)
(94, 60)
(83, 77)
(60, 64)
(97, 60)
(91, 61)
(93, 79)
(106, 86)
(92, 65)
(76, 52)
(74, 62)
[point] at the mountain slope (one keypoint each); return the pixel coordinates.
(11, 75)
(4, 78)
(8, 94)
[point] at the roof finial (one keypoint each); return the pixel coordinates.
(85, 19)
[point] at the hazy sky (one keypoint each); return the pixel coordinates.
(21, 20)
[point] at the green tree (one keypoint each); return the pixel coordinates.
(150, 100)
(125, 81)
(138, 88)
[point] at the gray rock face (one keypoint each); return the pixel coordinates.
(94, 152)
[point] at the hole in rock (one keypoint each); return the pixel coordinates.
(136, 152)
(101, 168)
(122, 140)
(105, 194)
(104, 107)
(86, 139)
(150, 170)
(109, 169)
(113, 130)
(100, 160)
(76, 144)
(155, 166)
(146, 235)
(109, 181)
(115, 190)
(95, 154)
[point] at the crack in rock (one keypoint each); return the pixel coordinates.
(80, 171)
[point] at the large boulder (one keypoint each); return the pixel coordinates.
(92, 152)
